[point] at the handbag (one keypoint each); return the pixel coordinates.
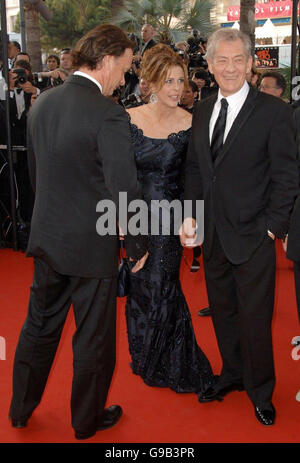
(124, 273)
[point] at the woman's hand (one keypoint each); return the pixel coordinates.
(140, 263)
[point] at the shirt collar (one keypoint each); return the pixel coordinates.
(83, 74)
(234, 99)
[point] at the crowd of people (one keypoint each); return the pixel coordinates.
(26, 85)
(200, 124)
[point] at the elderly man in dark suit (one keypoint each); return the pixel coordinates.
(292, 245)
(293, 248)
(242, 162)
(78, 157)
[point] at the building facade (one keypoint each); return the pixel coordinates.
(12, 10)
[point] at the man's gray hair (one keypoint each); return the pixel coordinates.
(148, 25)
(228, 35)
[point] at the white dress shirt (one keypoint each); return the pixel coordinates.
(235, 103)
(19, 98)
(83, 74)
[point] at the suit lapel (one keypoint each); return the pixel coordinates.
(238, 123)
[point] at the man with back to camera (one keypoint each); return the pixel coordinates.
(75, 161)
(242, 162)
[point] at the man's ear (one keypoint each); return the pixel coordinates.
(210, 66)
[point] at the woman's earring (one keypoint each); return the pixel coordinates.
(153, 98)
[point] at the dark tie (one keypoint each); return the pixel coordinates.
(219, 129)
(19, 90)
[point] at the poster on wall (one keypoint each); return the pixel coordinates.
(266, 57)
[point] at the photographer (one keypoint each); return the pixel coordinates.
(52, 76)
(139, 97)
(182, 49)
(197, 51)
(21, 89)
(13, 49)
(23, 56)
(189, 97)
(203, 81)
(48, 79)
(22, 95)
(52, 62)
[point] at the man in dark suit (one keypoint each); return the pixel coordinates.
(242, 162)
(293, 248)
(77, 157)
(293, 239)
(148, 33)
(21, 91)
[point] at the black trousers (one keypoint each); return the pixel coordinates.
(242, 300)
(297, 284)
(94, 304)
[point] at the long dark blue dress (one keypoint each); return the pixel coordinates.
(161, 338)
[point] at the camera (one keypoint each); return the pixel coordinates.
(196, 51)
(134, 38)
(22, 76)
(179, 52)
(136, 62)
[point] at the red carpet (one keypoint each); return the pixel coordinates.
(151, 414)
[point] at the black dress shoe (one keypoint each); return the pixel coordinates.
(205, 312)
(84, 435)
(265, 417)
(209, 396)
(218, 394)
(18, 423)
(109, 418)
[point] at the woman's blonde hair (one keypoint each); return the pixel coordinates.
(156, 64)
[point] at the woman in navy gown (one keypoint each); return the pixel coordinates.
(162, 343)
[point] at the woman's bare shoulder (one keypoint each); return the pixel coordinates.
(136, 114)
(185, 117)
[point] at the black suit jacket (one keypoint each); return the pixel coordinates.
(149, 45)
(80, 152)
(252, 185)
(293, 249)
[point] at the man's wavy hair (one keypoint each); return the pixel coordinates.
(99, 42)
